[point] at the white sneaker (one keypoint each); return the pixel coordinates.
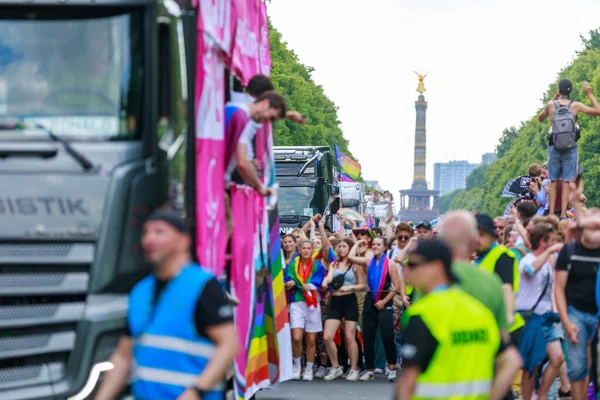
(367, 376)
(296, 372)
(308, 375)
(321, 372)
(378, 371)
(352, 375)
(392, 375)
(334, 373)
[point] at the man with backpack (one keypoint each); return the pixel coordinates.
(564, 134)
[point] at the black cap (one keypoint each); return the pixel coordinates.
(486, 224)
(170, 217)
(564, 87)
(424, 224)
(436, 250)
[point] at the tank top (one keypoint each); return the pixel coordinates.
(349, 278)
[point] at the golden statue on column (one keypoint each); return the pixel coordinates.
(421, 88)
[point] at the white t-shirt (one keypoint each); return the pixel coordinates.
(531, 287)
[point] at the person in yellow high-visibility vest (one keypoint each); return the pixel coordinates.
(496, 258)
(451, 343)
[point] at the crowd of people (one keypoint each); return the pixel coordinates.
(534, 274)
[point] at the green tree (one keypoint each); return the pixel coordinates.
(476, 178)
(294, 80)
(506, 140)
(529, 143)
(445, 200)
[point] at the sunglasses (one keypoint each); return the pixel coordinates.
(499, 227)
(402, 237)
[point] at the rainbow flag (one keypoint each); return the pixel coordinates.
(269, 354)
(348, 168)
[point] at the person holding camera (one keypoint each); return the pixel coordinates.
(345, 279)
(564, 134)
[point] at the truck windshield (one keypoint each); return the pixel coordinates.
(297, 201)
(80, 77)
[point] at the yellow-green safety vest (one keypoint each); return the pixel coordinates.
(468, 340)
(489, 264)
(409, 289)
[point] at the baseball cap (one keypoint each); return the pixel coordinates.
(424, 224)
(486, 224)
(565, 86)
(170, 217)
(435, 250)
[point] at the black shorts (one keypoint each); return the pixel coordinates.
(343, 307)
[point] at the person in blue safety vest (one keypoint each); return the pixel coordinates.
(181, 338)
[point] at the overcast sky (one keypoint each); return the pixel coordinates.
(490, 63)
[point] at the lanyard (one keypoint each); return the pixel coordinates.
(439, 288)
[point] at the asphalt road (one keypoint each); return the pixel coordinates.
(379, 389)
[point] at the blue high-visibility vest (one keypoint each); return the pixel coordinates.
(168, 353)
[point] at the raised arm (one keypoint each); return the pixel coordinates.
(325, 245)
(543, 258)
(582, 108)
(354, 258)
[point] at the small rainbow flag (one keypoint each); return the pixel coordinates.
(347, 167)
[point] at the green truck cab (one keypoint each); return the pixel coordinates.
(307, 181)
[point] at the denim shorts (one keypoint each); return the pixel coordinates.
(562, 164)
(577, 355)
(551, 333)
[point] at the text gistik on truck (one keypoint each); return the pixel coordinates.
(307, 179)
(96, 113)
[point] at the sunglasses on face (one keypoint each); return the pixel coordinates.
(499, 227)
(402, 237)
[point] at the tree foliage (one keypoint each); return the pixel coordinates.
(506, 140)
(445, 200)
(529, 145)
(476, 178)
(293, 79)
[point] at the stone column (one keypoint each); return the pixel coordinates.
(420, 161)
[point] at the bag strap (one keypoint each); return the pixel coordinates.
(542, 295)
(557, 104)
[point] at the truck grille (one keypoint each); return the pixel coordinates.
(43, 289)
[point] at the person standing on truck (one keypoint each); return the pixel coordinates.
(242, 121)
(181, 339)
(564, 134)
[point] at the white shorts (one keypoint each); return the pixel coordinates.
(302, 317)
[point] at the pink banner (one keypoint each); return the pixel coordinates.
(214, 21)
(243, 240)
(211, 230)
(250, 45)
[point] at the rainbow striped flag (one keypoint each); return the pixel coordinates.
(348, 168)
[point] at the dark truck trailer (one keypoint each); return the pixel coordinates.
(85, 73)
(307, 180)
